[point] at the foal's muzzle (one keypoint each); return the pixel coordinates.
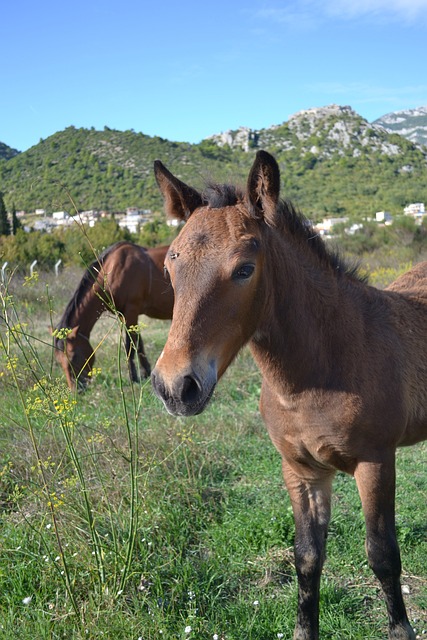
(186, 394)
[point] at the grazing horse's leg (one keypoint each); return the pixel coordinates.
(376, 484)
(143, 360)
(134, 344)
(310, 494)
(130, 347)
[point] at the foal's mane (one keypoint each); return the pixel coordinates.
(88, 279)
(291, 221)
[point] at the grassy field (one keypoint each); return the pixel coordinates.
(118, 521)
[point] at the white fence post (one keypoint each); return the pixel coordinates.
(3, 271)
(57, 266)
(32, 265)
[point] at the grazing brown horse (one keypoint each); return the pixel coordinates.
(344, 365)
(127, 279)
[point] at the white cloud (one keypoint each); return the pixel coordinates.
(305, 14)
(383, 10)
(294, 16)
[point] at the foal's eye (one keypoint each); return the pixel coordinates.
(243, 272)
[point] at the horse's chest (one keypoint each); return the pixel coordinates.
(311, 434)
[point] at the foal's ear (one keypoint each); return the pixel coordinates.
(180, 199)
(263, 187)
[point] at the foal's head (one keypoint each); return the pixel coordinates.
(76, 357)
(215, 266)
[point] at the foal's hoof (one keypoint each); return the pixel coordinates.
(402, 632)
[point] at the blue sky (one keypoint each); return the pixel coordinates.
(186, 70)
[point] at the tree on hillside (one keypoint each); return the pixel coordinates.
(4, 221)
(15, 222)
(156, 232)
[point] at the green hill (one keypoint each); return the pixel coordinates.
(332, 162)
(7, 152)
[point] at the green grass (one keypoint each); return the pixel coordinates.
(119, 521)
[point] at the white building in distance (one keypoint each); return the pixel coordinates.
(416, 210)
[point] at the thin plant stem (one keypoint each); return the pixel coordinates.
(133, 470)
(45, 486)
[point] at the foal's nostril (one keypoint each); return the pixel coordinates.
(190, 390)
(157, 383)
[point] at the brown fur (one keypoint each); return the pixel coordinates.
(344, 365)
(127, 279)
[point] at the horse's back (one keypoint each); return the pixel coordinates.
(157, 255)
(136, 280)
(410, 312)
(412, 283)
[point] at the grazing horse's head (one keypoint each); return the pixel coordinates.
(76, 357)
(215, 266)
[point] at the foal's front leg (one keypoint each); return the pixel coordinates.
(310, 495)
(376, 485)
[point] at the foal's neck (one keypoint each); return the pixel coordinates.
(310, 314)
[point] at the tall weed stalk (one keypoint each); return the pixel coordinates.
(50, 412)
